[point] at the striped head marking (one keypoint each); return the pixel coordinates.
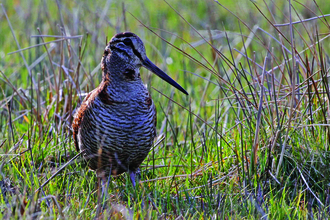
(129, 47)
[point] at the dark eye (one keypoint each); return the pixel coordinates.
(127, 41)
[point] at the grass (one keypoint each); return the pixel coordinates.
(250, 141)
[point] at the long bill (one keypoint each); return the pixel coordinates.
(153, 68)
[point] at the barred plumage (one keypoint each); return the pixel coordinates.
(116, 123)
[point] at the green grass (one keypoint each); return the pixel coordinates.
(225, 154)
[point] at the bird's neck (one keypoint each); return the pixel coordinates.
(122, 89)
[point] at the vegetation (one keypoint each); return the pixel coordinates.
(250, 141)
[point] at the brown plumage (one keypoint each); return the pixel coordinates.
(116, 123)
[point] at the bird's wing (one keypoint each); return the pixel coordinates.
(80, 115)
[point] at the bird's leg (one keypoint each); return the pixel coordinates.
(133, 175)
(102, 189)
(102, 184)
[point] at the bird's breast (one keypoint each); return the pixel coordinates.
(117, 128)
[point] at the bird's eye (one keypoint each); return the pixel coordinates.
(127, 41)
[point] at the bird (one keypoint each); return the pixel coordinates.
(115, 125)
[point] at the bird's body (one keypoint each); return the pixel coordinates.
(121, 128)
(116, 123)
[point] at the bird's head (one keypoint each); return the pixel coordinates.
(125, 54)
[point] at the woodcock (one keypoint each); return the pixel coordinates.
(116, 123)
